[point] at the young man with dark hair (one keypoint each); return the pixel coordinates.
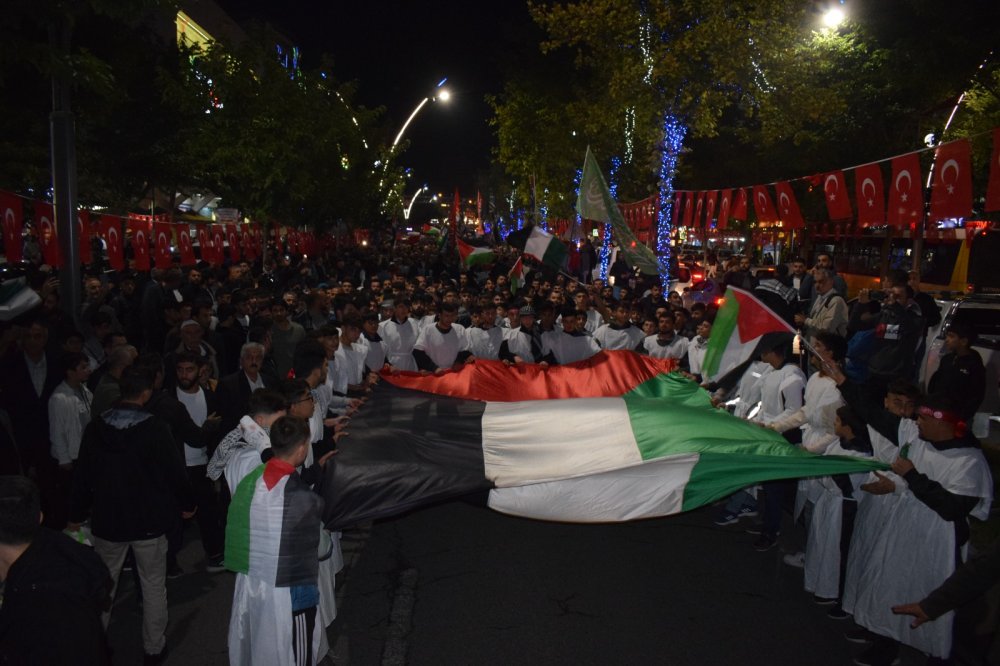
(485, 337)
(443, 344)
(620, 333)
(961, 373)
(130, 480)
(570, 344)
(55, 589)
(399, 335)
(272, 543)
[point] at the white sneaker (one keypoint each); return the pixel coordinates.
(797, 560)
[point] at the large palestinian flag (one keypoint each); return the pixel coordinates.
(634, 447)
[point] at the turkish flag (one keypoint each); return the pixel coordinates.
(725, 207)
(246, 242)
(788, 206)
(688, 209)
(258, 242)
(762, 205)
(711, 202)
(163, 234)
(233, 238)
(870, 195)
(676, 212)
(205, 242)
(740, 205)
(45, 221)
(906, 198)
(138, 226)
(699, 208)
(217, 243)
(838, 202)
(992, 188)
(185, 246)
(111, 232)
(12, 210)
(83, 231)
(951, 189)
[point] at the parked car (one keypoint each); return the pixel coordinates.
(982, 311)
(710, 292)
(683, 277)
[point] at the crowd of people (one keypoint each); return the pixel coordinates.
(216, 396)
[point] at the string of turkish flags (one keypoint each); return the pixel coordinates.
(152, 238)
(951, 193)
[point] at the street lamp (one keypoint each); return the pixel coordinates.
(440, 93)
(833, 17)
(406, 211)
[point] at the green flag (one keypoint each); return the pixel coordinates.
(595, 203)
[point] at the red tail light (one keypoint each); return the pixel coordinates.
(697, 277)
(719, 301)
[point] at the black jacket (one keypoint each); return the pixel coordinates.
(184, 430)
(130, 477)
(233, 396)
(963, 378)
(52, 603)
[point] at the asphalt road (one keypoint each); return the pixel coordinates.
(460, 584)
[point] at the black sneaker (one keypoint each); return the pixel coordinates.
(755, 529)
(765, 542)
(174, 570)
(823, 601)
(726, 518)
(152, 659)
(215, 564)
(838, 613)
(858, 635)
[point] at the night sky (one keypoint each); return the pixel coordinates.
(397, 52)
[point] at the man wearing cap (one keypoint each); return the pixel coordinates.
(399, 333)
(961, 373)
(523, 343)
(943, 479)
(570, 344)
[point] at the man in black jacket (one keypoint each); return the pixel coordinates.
(130, 479)
(960, 373)
(54, 588)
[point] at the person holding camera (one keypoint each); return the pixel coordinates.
(897, 329)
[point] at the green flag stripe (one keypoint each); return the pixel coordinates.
(722, 332)
(237, 556)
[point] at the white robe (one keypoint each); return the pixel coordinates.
(696, 354)
(912, 551)
(485, 343)
(676, 348)
(442, 348)
(612, 338)
(398, 340)
(568, 348)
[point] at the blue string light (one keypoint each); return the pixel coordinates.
(616, 165)
(520, 219)
(543, 210)
(673, 139)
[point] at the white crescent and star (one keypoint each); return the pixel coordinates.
(762, 200)
(865, 184)
(903, 196)
(47, 234)
(113, 238)
(950, 164)
(8, 222)
(826, 186)
(784, 202)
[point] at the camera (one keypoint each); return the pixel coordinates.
(877, 294)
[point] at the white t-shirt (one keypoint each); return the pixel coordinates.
(197, 408)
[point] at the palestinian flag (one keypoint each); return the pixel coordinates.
(540, 246)
(740, 325)
(273, 519)
(474, 256)
(656, 448)
(517, 276)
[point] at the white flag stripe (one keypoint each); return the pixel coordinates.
(525, 442)
(647, 490)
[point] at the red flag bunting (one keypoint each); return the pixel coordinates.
(258, 242)
(699, 208)
(45, 222)
(788, 206)
(740, 205)
(163, 234)
(993, 187)
(84, 230)
(12, 212)
(185, 245)
(216, 241)
(676, 212)
(233, 238)
(111, 231)
(246, 242)
(688, 209)
(711, 201)
(138, 226)
(838, 201)
(870, 195)
(951, 189)
(205, 242)
(906, 199)
(762, 205)
(725, 208)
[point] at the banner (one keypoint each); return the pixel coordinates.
(788, 206)
(725, 208)
(762, 205)
(246, 242)
(699, 208)
(184, 245)
(45, 222)
(740, 205)
(711, 200)
(216, 241)
(906, 198)
(138, 226)
(838, 201)
(676, 212)
(688, 209)
(12, 214)
(163, 234)
(870, 195)
(111, 231)
(951, 188)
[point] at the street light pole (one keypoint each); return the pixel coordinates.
(440, 94)
(406, 211)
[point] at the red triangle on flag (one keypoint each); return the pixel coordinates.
(755, 318)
